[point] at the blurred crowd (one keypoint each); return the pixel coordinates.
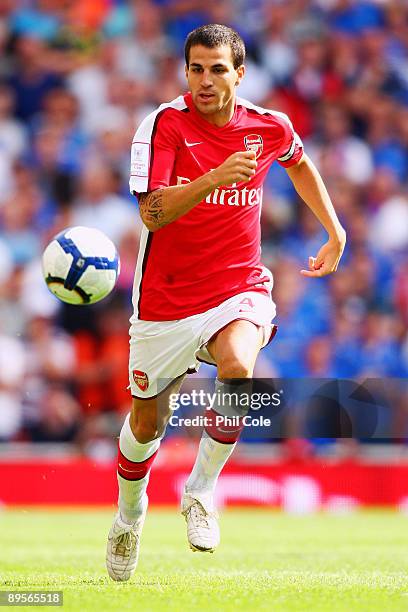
(76, 78)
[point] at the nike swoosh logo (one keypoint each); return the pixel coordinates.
(130, 471)
(192, 144)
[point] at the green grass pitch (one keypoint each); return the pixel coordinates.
(266, 561)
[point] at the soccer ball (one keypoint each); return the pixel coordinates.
(80, 265)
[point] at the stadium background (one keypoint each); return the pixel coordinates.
(76, 78)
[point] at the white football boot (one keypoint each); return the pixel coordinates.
(203, 533)
(122, 552)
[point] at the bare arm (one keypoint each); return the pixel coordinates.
(309, 185)
(158, 208)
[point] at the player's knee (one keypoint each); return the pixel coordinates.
(146, 422)
(234, 367)
(148, 429)
(146, 432)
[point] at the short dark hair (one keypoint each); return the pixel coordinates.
(216, 35)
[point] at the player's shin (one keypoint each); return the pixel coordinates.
(134, 463)
(224, 423)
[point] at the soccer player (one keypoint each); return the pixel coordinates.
(201, 292)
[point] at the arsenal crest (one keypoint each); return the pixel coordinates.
(254, 142)
(141, 379)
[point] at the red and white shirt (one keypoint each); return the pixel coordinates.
(212, 252)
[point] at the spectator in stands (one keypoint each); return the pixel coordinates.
(31, 80)
(98, 205)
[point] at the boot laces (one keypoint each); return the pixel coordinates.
(199, 515)
(125, 543)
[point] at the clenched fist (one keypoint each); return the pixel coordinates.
(238, 167)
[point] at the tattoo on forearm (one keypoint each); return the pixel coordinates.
(151, 208)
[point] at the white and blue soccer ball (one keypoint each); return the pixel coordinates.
(81, 265)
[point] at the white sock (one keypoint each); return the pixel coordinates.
(213, 454)
(211, 458)
(132, 493)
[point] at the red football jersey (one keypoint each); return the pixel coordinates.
(212, 252)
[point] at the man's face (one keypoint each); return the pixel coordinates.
(212, 79)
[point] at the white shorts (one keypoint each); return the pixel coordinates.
(161, 351)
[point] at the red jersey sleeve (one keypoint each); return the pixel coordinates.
(291, 149)
(153, 153)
